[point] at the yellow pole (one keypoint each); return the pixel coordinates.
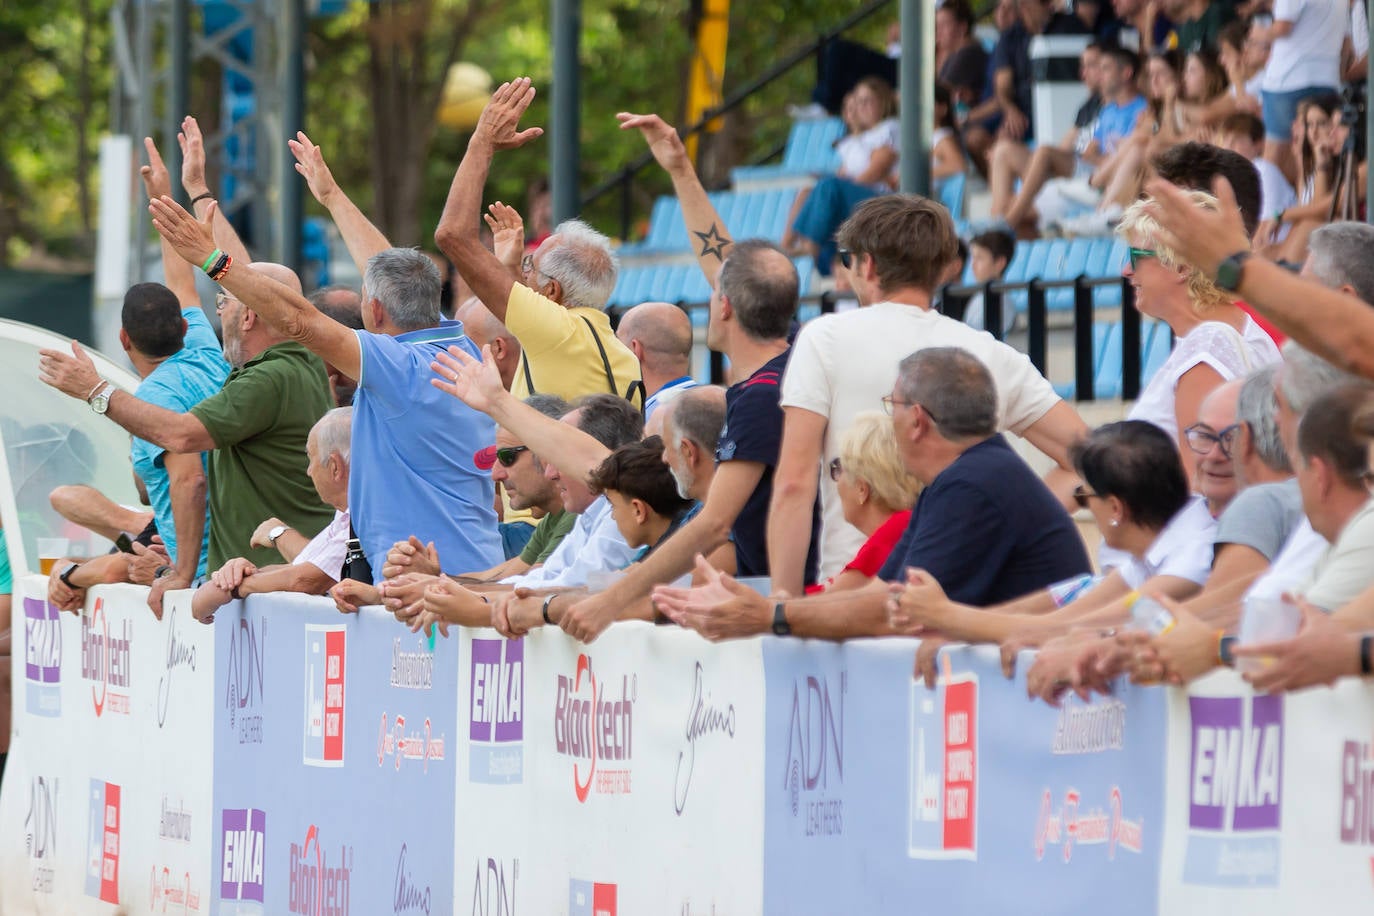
(708, 67)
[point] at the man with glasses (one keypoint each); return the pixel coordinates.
(556, 308)
(898, 247)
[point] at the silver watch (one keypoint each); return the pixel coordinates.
(100, 401)
(275, 533)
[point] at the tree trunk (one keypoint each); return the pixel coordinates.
(409, 61)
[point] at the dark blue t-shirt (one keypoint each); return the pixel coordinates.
(753, 432)
(1013, 53)
(989, 530)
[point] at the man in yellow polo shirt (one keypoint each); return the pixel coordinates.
(556, 310)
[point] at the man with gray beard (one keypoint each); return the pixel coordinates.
(257, 426)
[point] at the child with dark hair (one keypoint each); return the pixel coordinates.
(644, 497)
(991, 253)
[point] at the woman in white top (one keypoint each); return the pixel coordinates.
(1214, 340)
(868, 167)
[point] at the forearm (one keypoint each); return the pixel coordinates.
(181, 433)
(457, 233)
(512, 567)
(102, 570)
(188, 492)
(1220, 606)
(466, 608)
(672, 559)
(577, 452)
(290, 543)
(362, 238)
(1334, 325)
(305, 578)
(845, 615)
(284, 309)
(789, 530)
(180, 276)
(706, 231)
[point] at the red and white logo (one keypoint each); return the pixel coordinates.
(105, 660)
(325, 651)
(595, 730)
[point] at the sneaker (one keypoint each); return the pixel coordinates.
(1091, 225)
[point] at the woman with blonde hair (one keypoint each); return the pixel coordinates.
(1214, 340)
(876, 493)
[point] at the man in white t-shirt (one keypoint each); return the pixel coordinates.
(897, 247)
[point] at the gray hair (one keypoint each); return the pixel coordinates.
(1339, 256)
(698, 416)
(1306, 377)
(1255, 408)
(609, 419)
(761, 283)
(333, 433)
(407, 284)
(342, 303)
(550, 405)
(583, 264)
(954, 388)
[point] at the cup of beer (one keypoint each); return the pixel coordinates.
(50, 550)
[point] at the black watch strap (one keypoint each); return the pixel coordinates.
(1229, 271)
(1224, 653)
(65, 576)
(780, 625)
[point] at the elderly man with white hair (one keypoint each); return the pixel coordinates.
(557, 307)
(312, 565)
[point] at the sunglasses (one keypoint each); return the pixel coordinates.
(846, 258)
(1081, 495)
(508, 456)
(1140, 254)
(835, 470)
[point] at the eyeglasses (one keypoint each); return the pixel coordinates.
(222, 300)
(1201, 439)
(890, 404)
(527, 265)
(1140, 254)
(508, 456)
(835, 470)
(1082, 494)
(846, 258)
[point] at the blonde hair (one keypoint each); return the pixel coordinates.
(1137, 221)
(868, 452)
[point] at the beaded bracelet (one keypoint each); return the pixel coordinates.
(222, 268)
(209, 262)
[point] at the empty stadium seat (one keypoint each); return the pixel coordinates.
(951, 194)
(1156, 342)
(810, 150)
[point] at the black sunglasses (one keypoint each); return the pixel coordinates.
(835, 470)
(846, 258)
(1081, 495)
(510, 455)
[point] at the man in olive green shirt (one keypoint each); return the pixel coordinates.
(256, 426)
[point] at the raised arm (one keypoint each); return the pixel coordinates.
(1336, 326)
(283, 308)
(705, 228)
(478, 385)
(194, 182)
(178, 275)
(359, 234)
(457, 234)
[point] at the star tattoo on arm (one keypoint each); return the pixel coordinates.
(712, 242)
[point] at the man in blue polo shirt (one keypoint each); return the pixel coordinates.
(411, 468)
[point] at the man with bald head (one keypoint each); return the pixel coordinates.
(659, 334)
(255, 427)
(345, 306)
(486, 330)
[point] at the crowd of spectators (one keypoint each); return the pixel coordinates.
(526, 464)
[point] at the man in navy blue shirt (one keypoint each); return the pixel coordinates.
(985, 526)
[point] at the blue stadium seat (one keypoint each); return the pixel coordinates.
(951, 194)
(810, 150)
(1156, 342)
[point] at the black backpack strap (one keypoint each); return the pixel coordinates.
(605, 360)
(529, 382)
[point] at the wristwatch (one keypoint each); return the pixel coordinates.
(64, 576)
(780, 625)
(275, 533)
(1225, 645)
(100, 401)
(1229, 271)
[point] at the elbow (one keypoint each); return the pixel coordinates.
(453, 240)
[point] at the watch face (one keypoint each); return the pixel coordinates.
(100, 403)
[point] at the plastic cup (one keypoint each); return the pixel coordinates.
(1267, 619)
(50, 550)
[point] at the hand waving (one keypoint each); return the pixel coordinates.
(475, 383)
(507, 235)
(193, 239)
(311, 165)
(156, 180)
(663, 140)
(500, 120)
(192, 158)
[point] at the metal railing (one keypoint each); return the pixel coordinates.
(624, 179)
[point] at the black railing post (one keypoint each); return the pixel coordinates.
(1130, 343)
(827, 302)
(1035, 322)
(993, 302)
(1083, 369)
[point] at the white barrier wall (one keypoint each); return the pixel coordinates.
(290, 759)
